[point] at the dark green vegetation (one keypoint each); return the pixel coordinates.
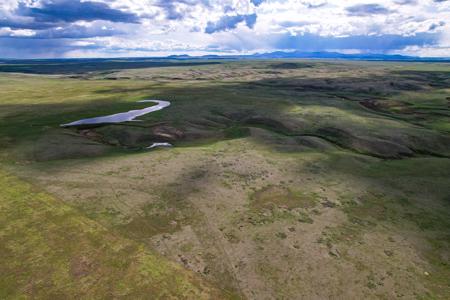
(288, 179)
(83, 66)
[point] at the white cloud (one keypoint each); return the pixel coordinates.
(179, 25)
(6, 31)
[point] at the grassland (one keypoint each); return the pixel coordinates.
(50, 250)
(288, 179)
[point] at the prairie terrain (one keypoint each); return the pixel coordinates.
(289, 179)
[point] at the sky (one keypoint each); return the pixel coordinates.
(140, 28)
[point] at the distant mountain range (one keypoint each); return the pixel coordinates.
(317, 55)
(268, 55)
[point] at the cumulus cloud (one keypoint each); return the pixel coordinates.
(315, 4)
(75, 10)
(230, 22)
(367, 9)
(178, 9)
(364, 43)
(257, 2)
(34, 28)
(405, 2)
(63, 19)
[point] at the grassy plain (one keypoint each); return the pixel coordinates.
(288, 179)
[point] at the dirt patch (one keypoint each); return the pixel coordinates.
(82, 266)
(151, 224)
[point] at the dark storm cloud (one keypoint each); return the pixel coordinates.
(24, 23)
(75, 10)
(21, 47)
(367, 9)
(54, 19)
(230, 22)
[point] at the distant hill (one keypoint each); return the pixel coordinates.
(83, 65)
(336, 55)
(319, 55)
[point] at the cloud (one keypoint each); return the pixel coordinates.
(75, 10)
(23, 48)
(365, 43)
(230, 22)
(58, 28)
(434, 26)
(312, 5)
(257, 2)
(178, 9)
(63, 19)
(287, 24)
(78, 32)
(6, 31)
(19, 22)
(405, 2)
(367, 9)
(68, 32)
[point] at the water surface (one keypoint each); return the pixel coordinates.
(121, 117)
(158, 145)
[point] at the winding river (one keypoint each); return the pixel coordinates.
(121, 117)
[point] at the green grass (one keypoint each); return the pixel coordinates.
(49, 250)
(276, 196)
(292, 105)
(282, 151)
